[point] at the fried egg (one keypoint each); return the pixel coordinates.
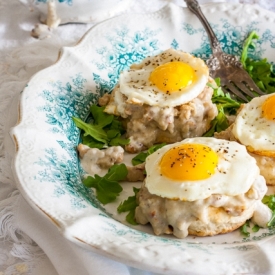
(254, 126)
(196, 168)
(171, 78)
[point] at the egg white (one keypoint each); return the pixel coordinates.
(252, 129)
(236, 171)
(135, 83)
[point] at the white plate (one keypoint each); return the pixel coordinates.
(46, 164)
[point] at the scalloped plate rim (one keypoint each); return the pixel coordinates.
(65, 232)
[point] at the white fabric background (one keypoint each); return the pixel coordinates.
(29, 243)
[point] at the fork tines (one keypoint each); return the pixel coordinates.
(246, 89)
(232, 89)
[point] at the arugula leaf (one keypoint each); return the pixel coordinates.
(247, 44)
(116, 124)
(117, 172)
(107, 187)
(225, 105)
(222, 99)
(218, 124)
(154, 148)
(255, 228)
(272, 220)
(141, 157)
(244, 228)
(112, 133)
(91, 142)
(119, 141)
(261, 71)
(115, 138)
(270, 202)
(130, 217)
(103, 130)
(102, 119)
(129, 205)
(107, 190)
(93, 130)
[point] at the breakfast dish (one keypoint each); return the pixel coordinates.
(254, 127)
(198, 187)
(195, 186)
(165, 98)
(49, 172)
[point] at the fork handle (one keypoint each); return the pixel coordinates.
(194, 7)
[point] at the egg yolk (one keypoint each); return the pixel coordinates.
(189, 162)
(268, 108)
(172, 76)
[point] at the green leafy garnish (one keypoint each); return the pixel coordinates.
(107, 187)
(94, 131)
(244, 229)
(224, 100)
(261, 71)
(130, 205)
(270, 202)
(218, 124)
(102, 119)
(255, 228)
(225, 105)
(140, 158)
(105, 130)
(92, 143)
(248, 43)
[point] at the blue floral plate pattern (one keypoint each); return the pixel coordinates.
(46, 164)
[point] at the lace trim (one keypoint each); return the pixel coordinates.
(18, 253)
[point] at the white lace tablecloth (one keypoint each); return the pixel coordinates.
(29, 244)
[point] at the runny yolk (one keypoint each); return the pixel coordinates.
(189, 162)
(172, 76)
(268, 108)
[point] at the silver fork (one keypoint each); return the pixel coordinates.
(234, 79)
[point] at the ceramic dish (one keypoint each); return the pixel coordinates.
(46, 163)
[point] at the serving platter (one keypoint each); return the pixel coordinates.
(46, 164)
